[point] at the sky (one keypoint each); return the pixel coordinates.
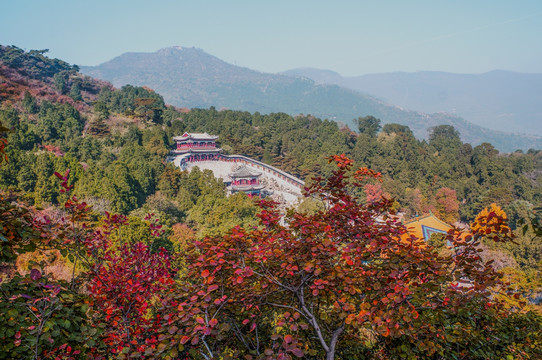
(349, 37)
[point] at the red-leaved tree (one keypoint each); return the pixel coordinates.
(126, 282)
(349, 274)
(124, 288)
(346, 281)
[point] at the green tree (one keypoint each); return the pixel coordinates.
(61, 82)
(29, 103)
(368, 125)
(100, 108)
(75, 91)
(216, 215)
(444, 137)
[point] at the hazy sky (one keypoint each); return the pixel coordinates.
(350, 37)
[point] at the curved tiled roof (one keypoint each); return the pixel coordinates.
(195, 136)
(243, 171)
(247, 187)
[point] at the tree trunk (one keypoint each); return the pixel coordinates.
(330, 354)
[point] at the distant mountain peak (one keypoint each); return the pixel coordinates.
(175, 50)
(190, 77)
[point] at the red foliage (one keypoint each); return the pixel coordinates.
(126, 281)
(53, 149)
(325, 276)
(283, 291)
(447, 205)
(373, 192)
(319, 266)
(124, 287)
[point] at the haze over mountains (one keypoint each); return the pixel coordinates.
(499, 100)
(189, 77)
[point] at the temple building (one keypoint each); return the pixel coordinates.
(424, 226)
(245, 180)
(239, 173)
(196, 146)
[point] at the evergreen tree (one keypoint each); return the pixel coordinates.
(60, 81)
(75, 91)
(29, 103)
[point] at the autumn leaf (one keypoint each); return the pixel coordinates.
(288, 339)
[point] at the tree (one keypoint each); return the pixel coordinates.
(75, 91)
(446, 205)
(443, 137)
(396, 129)
(125, 281)
(60, 81)
(181, 237)
(414, 201)
(368, 125)
(3, 143)
(216, 214)
(373, 192)
(98, 127)
(123, 287)
(342, 275)
(122, 189)
(38, 314)
(143, 107)
(100, 108)
(29, 103)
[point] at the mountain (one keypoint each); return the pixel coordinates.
(192, 78)
(189, 77)
(499, 100)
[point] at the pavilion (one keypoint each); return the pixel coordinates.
(245, 180)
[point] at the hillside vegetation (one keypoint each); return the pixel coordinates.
(189, 77)
(107, 251)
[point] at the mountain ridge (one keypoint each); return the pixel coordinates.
(497, 99)
(189, 77)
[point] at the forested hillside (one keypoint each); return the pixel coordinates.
(189, 77)
(109, 251)
(115, 142)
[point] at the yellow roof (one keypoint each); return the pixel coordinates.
(423, 226)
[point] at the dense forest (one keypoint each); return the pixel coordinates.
(88, 199)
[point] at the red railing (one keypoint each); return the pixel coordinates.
(196, 146)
